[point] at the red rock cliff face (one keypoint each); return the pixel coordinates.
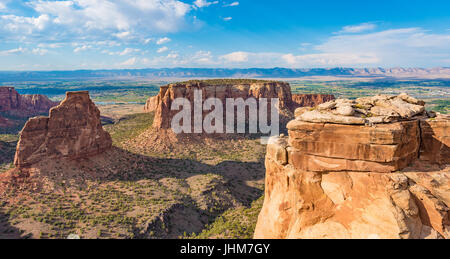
(151, 104)
(13, 103)
(73, 129)
(335, 179)
(168, 94)
(310, 100)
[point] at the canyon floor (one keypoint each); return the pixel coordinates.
(213, 190)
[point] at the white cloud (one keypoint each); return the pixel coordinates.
(163, 41)
(126, 51)
(12, 51)
(122, 35)
(358, 28)
(82, 48)
(87, 19)
(163, 49)
(39, 51)
(227, 19)
(232, 4)
(395, 47)
(50, 45)
(239, 56)
(173, 55)
(204, 3)
(129, 62)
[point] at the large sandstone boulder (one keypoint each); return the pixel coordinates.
(336, 179)
(73, 129)
(325, 147)
(12, 103)
(369, 110)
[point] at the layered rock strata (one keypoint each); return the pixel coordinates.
(13, 103)
(73, 130)
(332, 179)
(310, 100)
(169, 93)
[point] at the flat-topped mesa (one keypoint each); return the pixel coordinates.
(220, 89)
(338, 178)
(11, 102)
(73, 130)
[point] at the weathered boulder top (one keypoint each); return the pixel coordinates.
(368, 110)
(73, 129)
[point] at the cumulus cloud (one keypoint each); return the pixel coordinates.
(163, 41)
(204, 3)
(95, 19)
(239, 56)
(39, 51)
(228, 19)
(163, 49)
(12, 51)
(82, 48)
(232, 4)
(358, 28)
(129, 62)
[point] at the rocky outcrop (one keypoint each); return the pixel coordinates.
(73, 130)
(12, 103)
(370, 110)
(310, 100)
(436, 140)
(334, 179)
(255, 89)
(151, 104)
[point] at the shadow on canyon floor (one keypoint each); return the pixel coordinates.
(188, 194)
(7, 230)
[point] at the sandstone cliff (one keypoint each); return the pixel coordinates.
(310, 100)
(359, 175)
(151, 104)
(11, 102)
(261, 89)
(73, 129)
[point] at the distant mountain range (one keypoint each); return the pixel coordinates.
(440, 72)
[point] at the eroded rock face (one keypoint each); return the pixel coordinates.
(168, 94)
(342, 205)
(73, 129)
(324, 147)
(310, 100)
(369, 110)
(436, 140)
(151, 104)
(349, 180)
(13, 103)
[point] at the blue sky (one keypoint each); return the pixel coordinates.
(115, 34)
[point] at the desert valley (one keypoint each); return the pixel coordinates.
(371, 167)
(225, 127)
